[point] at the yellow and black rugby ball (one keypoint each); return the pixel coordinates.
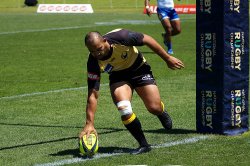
(88, 146)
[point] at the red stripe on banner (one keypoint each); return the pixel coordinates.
(180, 9)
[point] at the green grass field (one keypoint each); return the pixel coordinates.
(43, 93)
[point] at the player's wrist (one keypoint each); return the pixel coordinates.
(89, 122)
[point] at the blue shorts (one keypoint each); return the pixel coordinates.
(169, 13)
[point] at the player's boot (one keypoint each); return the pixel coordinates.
(170, 51)
(169, 47)
(167, 44)
(141, 149)
(166, 120)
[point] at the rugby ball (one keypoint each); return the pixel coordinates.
(88, 146)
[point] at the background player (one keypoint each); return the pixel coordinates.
(169, 20)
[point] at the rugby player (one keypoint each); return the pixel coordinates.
(169, 20)
(116, 53)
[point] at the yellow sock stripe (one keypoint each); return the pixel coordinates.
(163, 107)
(131, 119)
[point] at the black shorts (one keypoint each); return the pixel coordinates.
(140, 77)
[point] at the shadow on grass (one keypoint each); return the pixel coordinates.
(36, 143)
(109, 130)
(75, 152)
(37, 125)
(172, 131)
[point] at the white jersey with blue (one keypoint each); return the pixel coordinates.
(165, 10)
(165, 3)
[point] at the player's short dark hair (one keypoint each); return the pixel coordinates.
(91, 35)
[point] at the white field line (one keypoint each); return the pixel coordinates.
(44, 93)
(184, 141)
(105, 155)
(118, 22)
(43, 30)
(136, 22)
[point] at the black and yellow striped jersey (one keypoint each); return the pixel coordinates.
(123, 56)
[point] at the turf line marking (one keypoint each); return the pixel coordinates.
(184, 141)
(79, 27)
(117, 22)
(105, 155)
(44, 93)
(43, 30)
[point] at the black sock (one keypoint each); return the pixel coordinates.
(135, 129)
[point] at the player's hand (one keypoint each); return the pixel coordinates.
(88, 128)
(174, 63)
(148, 11)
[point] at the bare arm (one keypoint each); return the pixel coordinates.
(90, 113)
(172, 62)
(146, 2)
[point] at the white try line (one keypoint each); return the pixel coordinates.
(116, 22)
(106, 155)
(47, 92)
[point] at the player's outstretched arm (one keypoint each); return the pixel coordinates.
(172, 62)
(90, 113)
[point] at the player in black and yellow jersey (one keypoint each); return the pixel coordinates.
(116, 54)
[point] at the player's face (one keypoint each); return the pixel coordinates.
(99, 49)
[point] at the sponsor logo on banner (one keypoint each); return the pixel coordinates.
(180, 9)
(205, 6)
(235, 5)
(237, 44)
(65, 8)
(208, 107)
(208, 50)
(238, 106)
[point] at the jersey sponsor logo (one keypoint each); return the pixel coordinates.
(93, 76)
(147, 77)
(108, 68)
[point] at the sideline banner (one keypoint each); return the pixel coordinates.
(65, 8)
(180, 9)
(222, 66)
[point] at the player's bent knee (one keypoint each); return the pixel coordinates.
(124, 107)
(155, 109)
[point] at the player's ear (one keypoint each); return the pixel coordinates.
(104, 40)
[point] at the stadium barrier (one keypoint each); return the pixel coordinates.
(222, 66)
